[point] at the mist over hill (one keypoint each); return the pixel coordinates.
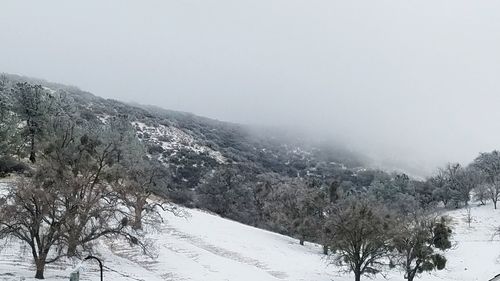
(87, 168)
(250, 140)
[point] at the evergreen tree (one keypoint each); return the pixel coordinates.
(33, 105)
(416, 239)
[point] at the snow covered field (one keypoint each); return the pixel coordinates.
(205, 247)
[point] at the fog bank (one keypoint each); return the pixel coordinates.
(410, 82)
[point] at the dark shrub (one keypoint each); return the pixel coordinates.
(155, 149)
(10, 165)
(181, 196)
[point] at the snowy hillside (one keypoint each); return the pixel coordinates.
(205, 247)
(173, 140)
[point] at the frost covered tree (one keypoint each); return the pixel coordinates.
(416, 239)
(458, 182)
(68, 202)
(311, 206)
(10, 137)
(79, 161)
(71, 163)
(227, 192)
(359, 231)
(489, 165)
(33, 105)
(295, 208)
(9, 141)
(7, 125)
(138, 178)
(481, 193)
(469, 179)
(262, 192)
(397, 192)
(30, 212)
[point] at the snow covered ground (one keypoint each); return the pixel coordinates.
(204, 247)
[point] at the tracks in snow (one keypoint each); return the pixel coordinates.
(122, 249)
(221, 252)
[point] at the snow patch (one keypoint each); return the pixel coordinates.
(174, 139)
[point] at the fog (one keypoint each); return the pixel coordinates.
(410, 83)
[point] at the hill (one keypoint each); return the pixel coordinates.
(195, 144)
(97, 164)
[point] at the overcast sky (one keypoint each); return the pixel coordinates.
(417, 81)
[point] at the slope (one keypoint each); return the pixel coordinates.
(204, 247)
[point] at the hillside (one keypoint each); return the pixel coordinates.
(195, 145)
(104, 170)
(249, 141)
(204, 247)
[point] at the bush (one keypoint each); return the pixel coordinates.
(155, 149)
(10, 165)
(181, 196)
(164, 138)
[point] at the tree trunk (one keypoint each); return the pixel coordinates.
(137, 219)
(73, 240)
(411, 275)
(357, 276)
(32, 149)
(40, 267)
(139, 206)
(302, 240)
(357, 272)
(325, 249)
(495, 204)
(71, 249)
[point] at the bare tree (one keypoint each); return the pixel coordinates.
(69, 202)
(136, 188)
(460, 181)
(30, 212)
(494, 192)
(468, 216)
(79, 161)
(297, 209)
(481, 193)
(137, 178)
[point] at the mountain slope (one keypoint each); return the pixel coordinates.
(195, 145)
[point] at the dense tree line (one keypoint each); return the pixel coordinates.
(365, 229)
(391, 217)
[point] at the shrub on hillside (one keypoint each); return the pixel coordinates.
(10, 165)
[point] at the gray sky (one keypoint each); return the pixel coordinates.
(416, 81)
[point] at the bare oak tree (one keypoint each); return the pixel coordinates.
(31, 213)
